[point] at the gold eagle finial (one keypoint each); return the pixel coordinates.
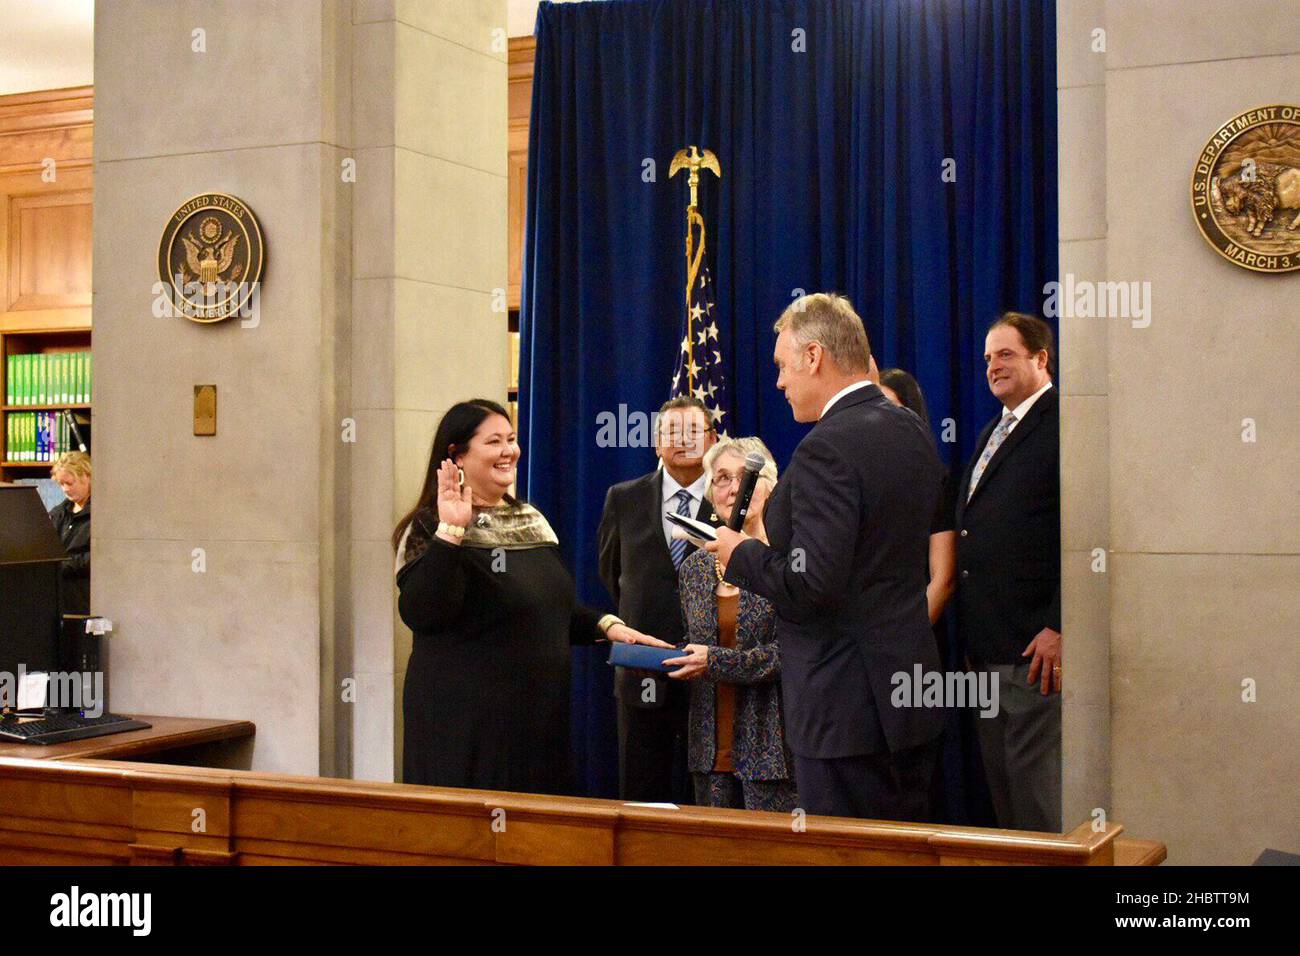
(693, 160)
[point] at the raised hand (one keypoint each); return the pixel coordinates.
(454, 506)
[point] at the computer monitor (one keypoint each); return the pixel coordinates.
(30, 552)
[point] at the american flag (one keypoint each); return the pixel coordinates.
(699, 359)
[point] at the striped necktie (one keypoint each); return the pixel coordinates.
(994, 443)
(677, 547)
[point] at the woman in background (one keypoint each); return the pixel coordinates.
(902, 389)
(492, 608)
(71, 519)
(736, 750)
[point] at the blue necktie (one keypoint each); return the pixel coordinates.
(677, 547)
(994, 443)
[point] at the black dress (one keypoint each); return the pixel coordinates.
(74, 571)
(486, 700)
(944, 520)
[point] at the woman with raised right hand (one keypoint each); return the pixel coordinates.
(492, 608)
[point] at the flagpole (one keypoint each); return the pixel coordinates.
(692, 160)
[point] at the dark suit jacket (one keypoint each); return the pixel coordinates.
(1009, 539)
(849, 525)
(638, 573)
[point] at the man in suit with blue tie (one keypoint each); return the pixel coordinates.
(1009, 574)
(639, 558)
(846, 569)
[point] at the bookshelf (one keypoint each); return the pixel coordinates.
(46, 148)
(44, 372)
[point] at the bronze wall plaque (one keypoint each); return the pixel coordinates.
(211, 258)
(205, 409)
(1246, 189)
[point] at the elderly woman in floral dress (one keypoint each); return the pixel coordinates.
(736, 753)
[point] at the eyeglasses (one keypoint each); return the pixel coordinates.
(672, 436)
(722, 479)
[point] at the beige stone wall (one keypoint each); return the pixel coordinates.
(376, 309)
(1205, 548)
(1082, 378)
(429, 260)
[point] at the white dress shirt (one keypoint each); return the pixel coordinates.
(669, 502)
(1021, 410)
(842, 392)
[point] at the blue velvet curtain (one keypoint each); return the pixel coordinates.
(834, 122)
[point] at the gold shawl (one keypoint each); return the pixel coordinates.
(511, 527)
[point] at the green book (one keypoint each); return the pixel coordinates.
(20, 384)
(81, 377)
(90, 379)
(9, 380)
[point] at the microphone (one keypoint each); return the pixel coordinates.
(740, 508)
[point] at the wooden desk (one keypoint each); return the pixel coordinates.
(169, 737)
(116, 812)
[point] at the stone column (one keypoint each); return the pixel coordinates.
(215, 556)
(1085, 477)
(1203, 523)
(429, 253)
(248, 574)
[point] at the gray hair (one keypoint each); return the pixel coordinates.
(829, 319)
(740, 447)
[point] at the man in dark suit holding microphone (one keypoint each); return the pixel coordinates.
(849, 526)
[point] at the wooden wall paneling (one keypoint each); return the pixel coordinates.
(50, 245)
(48, 124)
(520, 96)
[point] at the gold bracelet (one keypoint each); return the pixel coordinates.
(608, 621)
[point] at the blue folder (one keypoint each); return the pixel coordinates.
(644, 657)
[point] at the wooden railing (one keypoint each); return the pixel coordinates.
(112, 812)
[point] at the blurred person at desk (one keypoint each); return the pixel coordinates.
(71, 519)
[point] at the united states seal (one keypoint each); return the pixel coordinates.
(211, 257)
